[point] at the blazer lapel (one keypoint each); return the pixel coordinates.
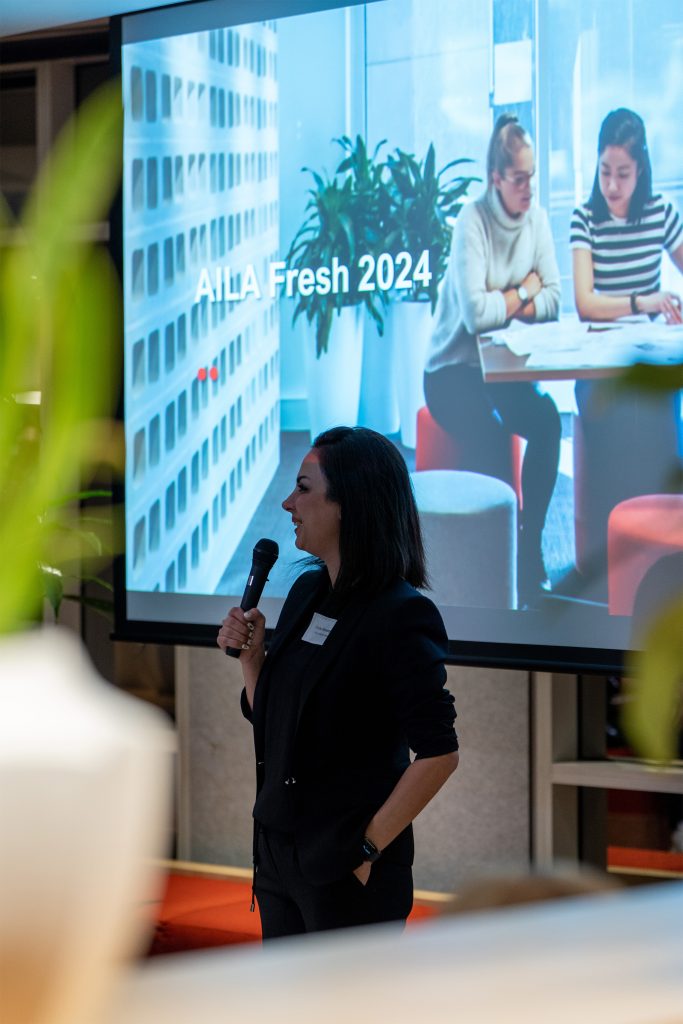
(330, 650)
(293, 629)
(296, 622)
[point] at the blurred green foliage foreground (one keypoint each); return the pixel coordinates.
(59, 339)
(653, 715)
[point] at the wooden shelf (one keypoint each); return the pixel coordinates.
(628, 775)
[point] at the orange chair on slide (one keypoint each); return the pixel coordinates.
(437, 449)
(640, 531)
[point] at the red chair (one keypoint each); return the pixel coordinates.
(640, 531)
(437, 449)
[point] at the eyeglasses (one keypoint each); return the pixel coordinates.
(521, 180)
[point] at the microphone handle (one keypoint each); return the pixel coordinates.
(258, 577)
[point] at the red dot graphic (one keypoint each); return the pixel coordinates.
(213, 373)
(202, 373)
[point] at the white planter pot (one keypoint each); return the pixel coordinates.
(378, 407)
(410, 325)
(333, 380)
(84, 798)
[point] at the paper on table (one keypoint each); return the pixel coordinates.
(513, 336)
(569, 342)
(656, 343)
(563, 335)
(583, 358)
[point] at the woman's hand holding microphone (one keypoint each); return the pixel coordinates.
(246, 632)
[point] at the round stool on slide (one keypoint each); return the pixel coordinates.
(640, 532)
(469, 523)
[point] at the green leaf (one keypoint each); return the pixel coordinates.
(53, 587)
(652, 717)
(454, 163)
(316, 177)
(375, 314)
(376, 150)
(78, 496)
(322, 333)
(430, 162)
(346, 225)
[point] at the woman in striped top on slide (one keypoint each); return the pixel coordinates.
(618, 237)
(619, 234)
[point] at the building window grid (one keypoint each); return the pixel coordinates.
(170, 507)
(220, 503)
(182, 567)
(174, 184)
(154, 538)
(182, 490)
(169, 431)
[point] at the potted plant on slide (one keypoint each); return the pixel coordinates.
(342, 214)
(84, 769)
(378, 404)
(418, 237)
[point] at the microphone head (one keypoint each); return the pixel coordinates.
(266, 552)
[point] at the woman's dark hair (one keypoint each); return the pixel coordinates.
(623, 128)
(507, 139)
(380, 539)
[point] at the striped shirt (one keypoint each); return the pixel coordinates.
(627, 257)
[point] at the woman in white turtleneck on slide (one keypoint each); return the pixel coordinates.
(502, 266)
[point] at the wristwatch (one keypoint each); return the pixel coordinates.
(370, 851)
(524, 296)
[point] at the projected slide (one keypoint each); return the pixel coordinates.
(300, 204)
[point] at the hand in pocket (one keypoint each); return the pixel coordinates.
(362, 872)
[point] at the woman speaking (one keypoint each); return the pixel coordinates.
(502, 267)
(352, 682)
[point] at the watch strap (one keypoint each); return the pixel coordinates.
(370, 852)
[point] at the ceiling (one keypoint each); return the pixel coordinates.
(30, 15)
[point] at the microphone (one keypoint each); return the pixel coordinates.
(262, 561)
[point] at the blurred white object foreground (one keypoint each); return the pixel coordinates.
(613, 958)
(84, 803)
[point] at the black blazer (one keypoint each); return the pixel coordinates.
(374, 690)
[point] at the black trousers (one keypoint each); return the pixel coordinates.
(482, 417)
(289, 905)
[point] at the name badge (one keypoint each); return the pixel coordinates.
(320, 628)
